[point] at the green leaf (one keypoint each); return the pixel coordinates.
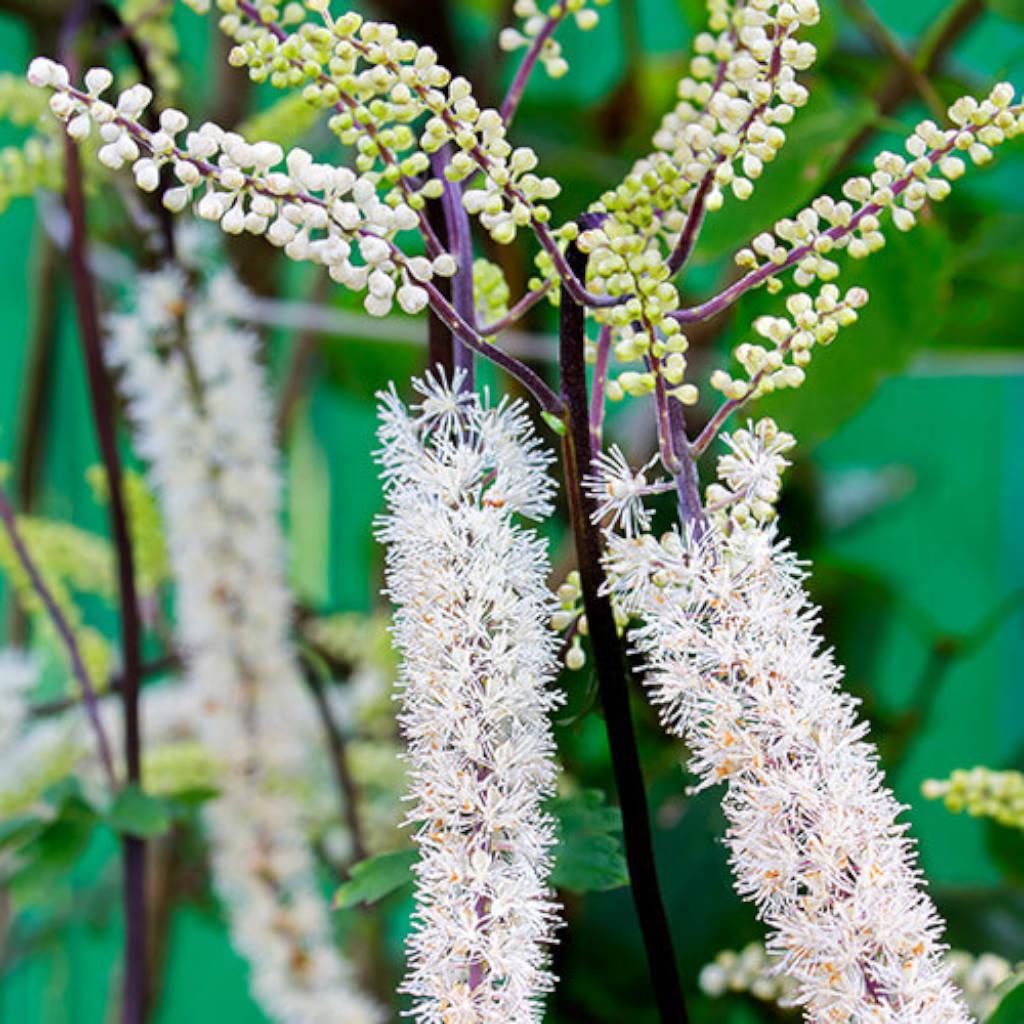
(909, 285)
(135, 813)
(588, 856)
(1011, 9)
(556, 423)
(20, 829)
(46, 859)
(376, 877)
(1011, 1009)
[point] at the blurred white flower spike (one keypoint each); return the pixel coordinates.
(479, 663)
(203, 421)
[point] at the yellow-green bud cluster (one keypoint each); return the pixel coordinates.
(490, 291)
(982, 793)
(727, 124)
(144, 522)
(67, 559)
(177, 768)
(152, 25)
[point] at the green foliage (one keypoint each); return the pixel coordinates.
(1012, 9)
(376, 877)
(588, 855)
(139, 814)
(43, 846)
(1011, 1006)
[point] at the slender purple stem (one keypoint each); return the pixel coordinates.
(609, 664)
(529, 378)
(519, 310)
(66, 634)
(510, 104)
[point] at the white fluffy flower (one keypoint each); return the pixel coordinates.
(471, 623)
(204, 422)
(619, 492)
(736, 668)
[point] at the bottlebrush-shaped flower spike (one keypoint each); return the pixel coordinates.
(472, 626)
(736, 668)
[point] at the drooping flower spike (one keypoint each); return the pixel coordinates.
(475, 688)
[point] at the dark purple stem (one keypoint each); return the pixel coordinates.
(460, 245)
(609, 663)
(598, 395)
(103, 409)
(65, 632)
(529, 378)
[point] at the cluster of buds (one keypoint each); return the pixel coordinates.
(750, 473)
(727, 125)
(538, 26)
(316, 212)
(378, 84)
(811, 322)
(741, 90)
(899, 186)
(571, 620)
(490, 291)
(982, 793)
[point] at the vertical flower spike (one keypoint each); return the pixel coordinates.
(204, 422)
(736, 668)
(471, 624)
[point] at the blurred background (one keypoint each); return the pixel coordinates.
(907, 492)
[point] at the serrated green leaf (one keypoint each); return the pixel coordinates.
(376, 877)
(20, 829)
(46, 859)
(135, 813)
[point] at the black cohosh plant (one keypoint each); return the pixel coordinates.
(715, 607)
